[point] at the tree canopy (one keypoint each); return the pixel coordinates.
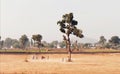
(115, 40)
(102, 41)
(23, 41)
(37, 39)
(68, 25)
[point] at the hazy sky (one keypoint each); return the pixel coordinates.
(95, 17)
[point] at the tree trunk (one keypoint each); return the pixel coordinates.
(69, 57)
(66, 44)
(69, 50)
(39, 46)
(39, 50)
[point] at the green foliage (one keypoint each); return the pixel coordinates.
(1, 44)
(115, 40)
(62, 44)
(15, 43)
(37, 39)
(8, 42)
(23, 41)
(87, 45)
(62, 30)
(102, 41)
(74, 22)
(68, 25)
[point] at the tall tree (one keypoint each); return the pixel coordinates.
(102, 41)
(68, 27)
(23, 41)
(8, 42)
(37, 39)
(115, 40)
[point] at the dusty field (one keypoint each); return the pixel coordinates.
(55, 64)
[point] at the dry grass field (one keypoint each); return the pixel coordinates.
(56, 64)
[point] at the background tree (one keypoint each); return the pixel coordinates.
(87, 45)
(102, 41)
(1, 43)
(16, 44)
(45, 44)
(114, 41)
(68, 26)
(37, 39)
(54, 43)
(11, 43)
(51, 45)
(8, 43)
(31, 43)
(23, 41)
(75, 46)
(62, 44)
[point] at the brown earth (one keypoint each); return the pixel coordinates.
(56, 64)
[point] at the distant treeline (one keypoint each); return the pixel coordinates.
(36, 42)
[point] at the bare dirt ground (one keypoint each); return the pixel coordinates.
(56, 64)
